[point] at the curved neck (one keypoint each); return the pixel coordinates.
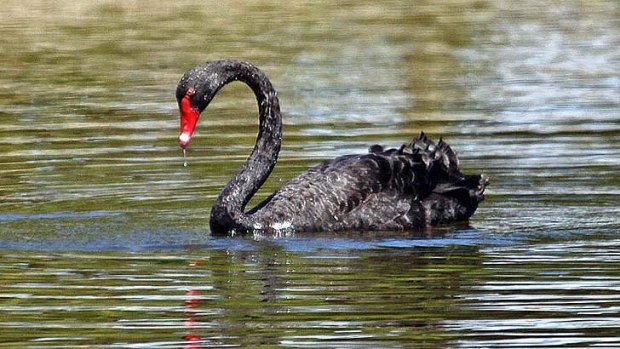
(228, 209)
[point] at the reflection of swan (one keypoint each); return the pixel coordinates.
(387, 189)
(191, 303)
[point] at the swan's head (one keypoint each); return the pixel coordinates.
(195, 91)
(199, 85)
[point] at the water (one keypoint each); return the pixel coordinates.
(104, 239)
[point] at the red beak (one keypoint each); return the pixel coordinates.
(189, 118)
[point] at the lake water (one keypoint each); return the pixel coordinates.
(104, 239)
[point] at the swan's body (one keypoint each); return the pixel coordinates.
(395, 189)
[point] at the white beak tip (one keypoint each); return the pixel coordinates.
(184, 139)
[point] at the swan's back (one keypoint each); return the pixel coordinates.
(380, 190)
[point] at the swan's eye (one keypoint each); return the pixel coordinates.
(188, 96)
(186, 102)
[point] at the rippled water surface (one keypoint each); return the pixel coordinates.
(104, 239)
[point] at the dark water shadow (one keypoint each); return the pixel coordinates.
(113, 231)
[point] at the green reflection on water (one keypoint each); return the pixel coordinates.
(259, 298)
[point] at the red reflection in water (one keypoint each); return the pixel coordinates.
(192, 301)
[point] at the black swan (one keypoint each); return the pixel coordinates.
(408, 188)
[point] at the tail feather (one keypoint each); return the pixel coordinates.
(453, 160)
(431, 153)
(432, 171)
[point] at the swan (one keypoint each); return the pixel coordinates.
(408, 188)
